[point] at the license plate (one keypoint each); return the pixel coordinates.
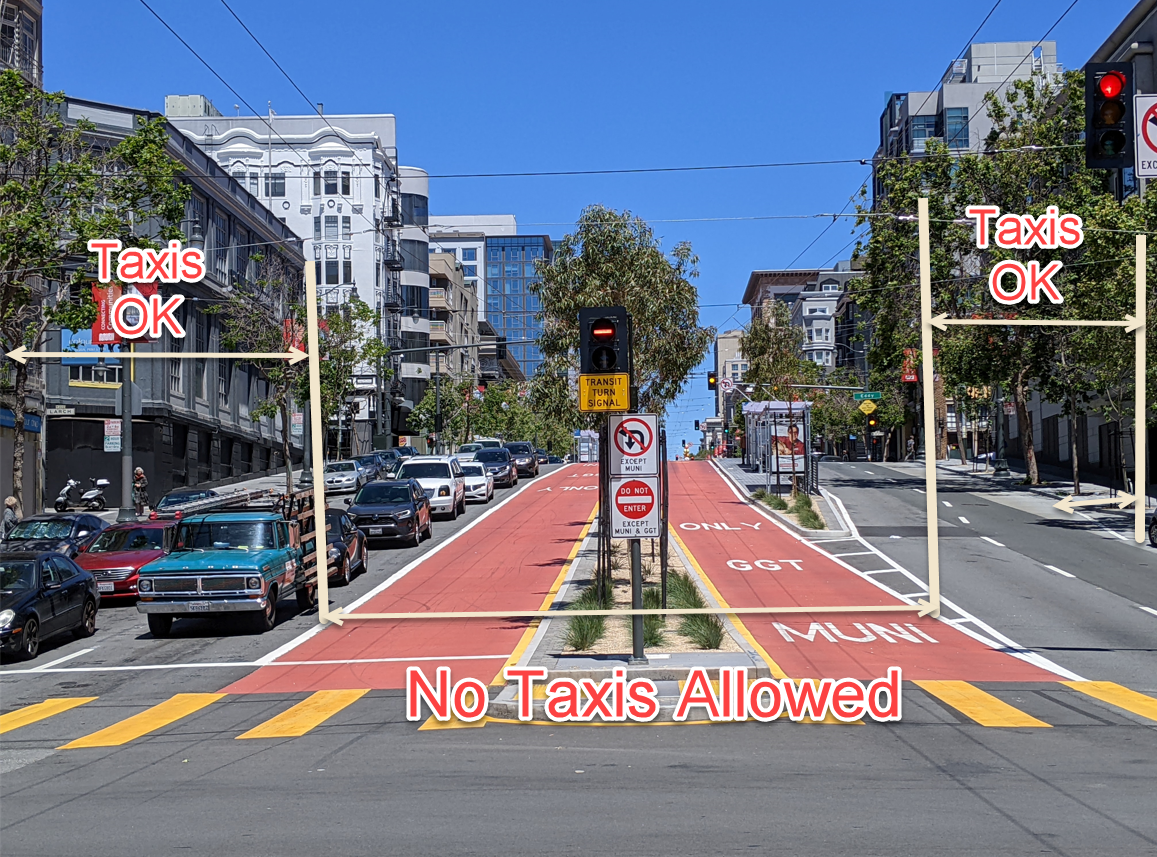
(104, 587)
(375, 531)
(197, 606)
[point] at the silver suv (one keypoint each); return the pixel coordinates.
(442, 479)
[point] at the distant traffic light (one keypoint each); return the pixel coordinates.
(712, 380)
(604, 340)
(871, 422)
(696, 425)
(1109, 115)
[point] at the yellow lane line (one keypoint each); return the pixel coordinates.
(776, 670)
(39, 711)
(169, 711)
(982, 707)
(1115, 694)
(306, 715)
(528, 634)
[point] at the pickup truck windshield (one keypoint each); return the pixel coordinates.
(225, 535)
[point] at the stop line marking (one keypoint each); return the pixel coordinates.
(993, 541)
(1060, 571)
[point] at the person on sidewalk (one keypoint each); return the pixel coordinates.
(9, 519)
(140, 490)
(911, 456)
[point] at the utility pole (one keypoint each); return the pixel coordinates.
(438, 402)
(128, 511)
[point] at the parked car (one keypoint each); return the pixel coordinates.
(391, 460)
(407, 451)
(117, 555)
(479, 483)
(525, 458)
(372, 465)
(554, 459)
(466, 451)
(68, 533)
(441, 478)
(346, 547)
(347, 475)
(542, 457)
(42, 594)
(499, 465)
(488, 442)
(179, 496)
(392, 511)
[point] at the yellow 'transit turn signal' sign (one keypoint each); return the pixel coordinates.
(605, 392)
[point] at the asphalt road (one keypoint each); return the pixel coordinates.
(367, 782)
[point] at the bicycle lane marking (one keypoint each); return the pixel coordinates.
(510, 560)
(753, 563)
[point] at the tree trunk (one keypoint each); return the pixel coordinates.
(1024, 428)
(285, 430)
(1073, 444)
(887, 441)
(18, 442)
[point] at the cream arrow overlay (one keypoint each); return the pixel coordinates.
(941, 322)
(1068, 504)
(293, 355)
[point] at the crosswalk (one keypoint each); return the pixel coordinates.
(995, 705)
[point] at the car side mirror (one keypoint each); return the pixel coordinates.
(52, 586)
(348, 501)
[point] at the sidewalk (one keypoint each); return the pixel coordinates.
(259, 483)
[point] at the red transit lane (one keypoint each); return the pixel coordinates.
(509, 559)
(754, 563)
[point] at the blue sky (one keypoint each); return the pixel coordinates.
(520, 86)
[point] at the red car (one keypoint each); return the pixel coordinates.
(119, 552)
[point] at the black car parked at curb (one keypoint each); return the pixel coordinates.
(43, 594)
(68, 533)
(346, 547)
(392, 511)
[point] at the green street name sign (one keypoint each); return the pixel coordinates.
(859, 397)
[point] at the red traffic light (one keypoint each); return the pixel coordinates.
(603, 330)
(1111, 84)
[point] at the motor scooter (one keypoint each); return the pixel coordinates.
(91, 500)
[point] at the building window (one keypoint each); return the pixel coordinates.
(345, 229)
(955, 128)
(224, 381)
(317, 272)
(469, 254)
(253, 183)
(331, 273)
(274, 184)
(221, 246)
(377, 186)
(817, 310)
(534, 253)
(175, 377)
(513, 270)
(317, 228)
(469, 270)
(98, 373)
(330, 177)
(345, 183)
(347, 272)
(493, 254)
(831, 287)
(316, 183)
(920, 128)
(331, 227)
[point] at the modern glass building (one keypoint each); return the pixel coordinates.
(510, 308)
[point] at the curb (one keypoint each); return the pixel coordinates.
(802, 532)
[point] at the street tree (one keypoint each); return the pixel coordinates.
(60, 187)
(614, 259)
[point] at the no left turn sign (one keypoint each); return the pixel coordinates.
(1145, 116)
(634, 451)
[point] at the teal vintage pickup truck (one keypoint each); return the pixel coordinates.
(237, 562)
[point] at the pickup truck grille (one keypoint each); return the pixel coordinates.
(189, 585)
(174, 584)
(222, 584)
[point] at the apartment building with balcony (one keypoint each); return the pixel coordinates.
(453, 319)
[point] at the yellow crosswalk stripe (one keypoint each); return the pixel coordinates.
(982, 707)
(1118, 695)
(39, 711)
(306, 715)
(169, 711)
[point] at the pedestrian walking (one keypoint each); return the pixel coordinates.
(911, 456)
(9, 519)
(140, 490)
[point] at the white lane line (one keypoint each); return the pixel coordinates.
(893, 480)
(1059, 571)
(883, 571)
(963, 519)
(856, 553)
(398, 575)
(920, 490)
(1118, 535)
(249, 664)
(946, 503)
(870, 473)
(50, 664)
(1147, 609)
(992, 541)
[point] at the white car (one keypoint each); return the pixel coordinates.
(441, 478)
(479, 483)
(342, 476)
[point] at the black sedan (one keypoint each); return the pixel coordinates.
(542, 456)
(392, 511)
(67, 533)
(43, 594)
(525, 458)
(346, 547)
(181, 496)
(500, 465)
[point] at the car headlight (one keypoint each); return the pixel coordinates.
(402, 515)
(253, 583)
(145, 585)
(333, 552)
(6, 617)
(444, 491)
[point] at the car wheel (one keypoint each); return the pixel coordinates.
(1153, 532)
(365, 557)
(265, 620)
(306, 598)
(160, 626)
(87, 626)
(416, 539)
(429, 530)
(344, 576)
(462, 505)
(30, 640)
